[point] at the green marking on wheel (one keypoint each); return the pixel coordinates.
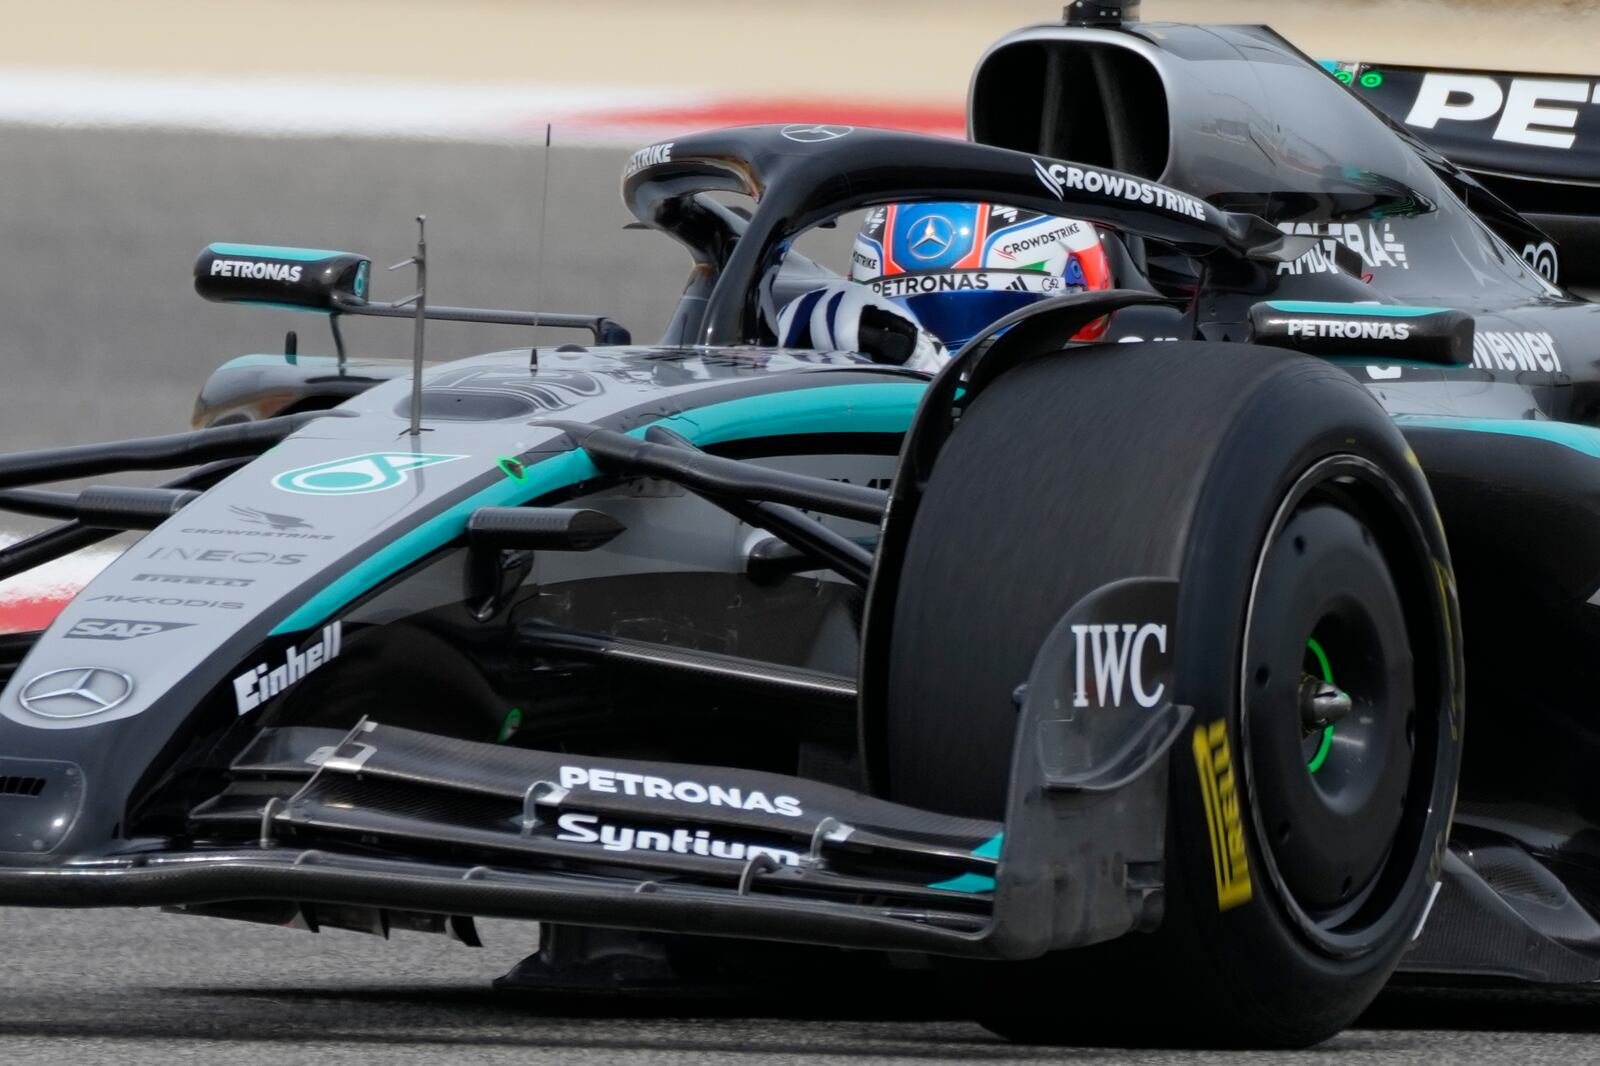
(1327, 732)
(509, 727)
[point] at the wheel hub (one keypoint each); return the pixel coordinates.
(1330, 758)
(1321, 704)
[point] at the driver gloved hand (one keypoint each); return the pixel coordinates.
(849, 317)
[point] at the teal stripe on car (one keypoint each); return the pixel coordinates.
(966, 883)
(1584, 439)
(876, 408)
(272, 251)
(970, 882)
(1318, 307)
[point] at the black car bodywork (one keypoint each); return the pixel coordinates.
(582, 650)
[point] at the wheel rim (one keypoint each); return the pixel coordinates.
(1338, 771)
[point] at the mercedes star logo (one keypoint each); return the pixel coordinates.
(812, 132)
(935, 238)
(75, 692)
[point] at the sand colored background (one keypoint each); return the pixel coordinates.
(893, 49)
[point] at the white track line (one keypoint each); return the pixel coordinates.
(359, 107)
(311, 107)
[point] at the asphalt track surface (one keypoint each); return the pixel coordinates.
(101, 336)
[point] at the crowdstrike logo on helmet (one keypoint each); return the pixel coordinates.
(1045, 239)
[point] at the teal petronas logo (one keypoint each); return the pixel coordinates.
(372, 472)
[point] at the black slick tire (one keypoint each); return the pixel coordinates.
(1287, 505)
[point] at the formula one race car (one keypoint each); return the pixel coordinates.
(1121, 682)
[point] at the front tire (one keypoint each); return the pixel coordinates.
(1285, 502)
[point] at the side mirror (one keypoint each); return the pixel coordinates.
(301, 278)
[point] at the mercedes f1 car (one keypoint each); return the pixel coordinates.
(1123, 682)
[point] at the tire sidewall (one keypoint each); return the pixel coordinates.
(1261, 958)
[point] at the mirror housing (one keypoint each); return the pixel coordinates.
(307, 279)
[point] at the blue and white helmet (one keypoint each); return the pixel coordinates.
(959, 267)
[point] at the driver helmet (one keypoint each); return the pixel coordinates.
(959, 267)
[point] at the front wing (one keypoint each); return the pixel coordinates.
(390, 818)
